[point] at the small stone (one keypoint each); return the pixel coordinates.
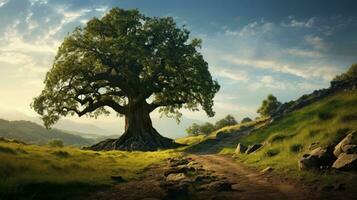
(176, 177)
(267, 170)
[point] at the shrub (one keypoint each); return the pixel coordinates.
(314, 132)
(272, 152)
(55, 143)
(246, 119)
(324, 115)
(280, 137)
(294, 148)
(229, 120)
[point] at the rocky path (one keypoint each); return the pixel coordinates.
(248, 184)
(205, 177)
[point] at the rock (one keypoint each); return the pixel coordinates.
(313, 145)
(316, 159)
(177, 162)
(240, 148)
(176, 177)
(346, 162)
(221, 185)
(253, 148)
(205, 178)
(175, 190)
(350, 149)
(350, 139)
(267, 170)
(180, 169)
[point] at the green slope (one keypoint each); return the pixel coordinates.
(30, 132)
(324, 123)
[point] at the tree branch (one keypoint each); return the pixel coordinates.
(155, 105)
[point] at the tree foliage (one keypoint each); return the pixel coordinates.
(120, 61)
(194, 129)
(269, 105)
(246, 119)
(350, 74)
(229, 120)
(207, 128)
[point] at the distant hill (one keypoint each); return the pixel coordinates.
(31, 132)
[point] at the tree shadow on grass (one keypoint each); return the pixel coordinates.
(50, 190)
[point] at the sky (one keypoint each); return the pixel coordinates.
(253, 47)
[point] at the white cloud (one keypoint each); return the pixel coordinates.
(251, 29)
(304, 53)
(233, 75)
(307, 71)
(3, 2)
(299, 24)
(316, 42)
(271, 83)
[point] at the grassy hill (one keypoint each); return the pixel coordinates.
(33, 133)
(41, 172)
(321, 124)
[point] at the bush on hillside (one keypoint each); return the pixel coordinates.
(193, 130)
(269, 105)
(207, 128)
(246, 119)
(350, 74)
(229, 120)
(55, 143)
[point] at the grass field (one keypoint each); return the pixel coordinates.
(32, 172)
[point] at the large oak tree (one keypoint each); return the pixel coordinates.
(132, 64)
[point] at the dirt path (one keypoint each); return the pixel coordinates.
(247, 183)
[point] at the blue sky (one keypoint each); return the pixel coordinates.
(253, 47)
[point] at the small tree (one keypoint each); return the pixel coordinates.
(131, 64)
(350, 74)
(193, 130)
(229, 120)
(55, 143)
(246, 119)
(207, 128)
(268, 106)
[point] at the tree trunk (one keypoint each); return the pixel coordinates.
(139, 133)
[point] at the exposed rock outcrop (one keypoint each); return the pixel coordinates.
(240, 148)
(317, 159)
(336, 86)
(253, 148)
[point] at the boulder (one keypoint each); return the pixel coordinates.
(350, 149)
(316, 159)
(253, 148)
(346, 162)
(176, 177)
(240, 148)
(221, 185)
(350, 139)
